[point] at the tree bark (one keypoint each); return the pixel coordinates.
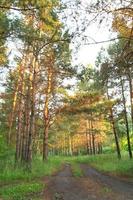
(90, 138)
(131, 96)
(114, 130)
(93, 138)
(46, 111)
(20, 113)
(87, 142)
(115, 134)
(126, 119)
(45, 141)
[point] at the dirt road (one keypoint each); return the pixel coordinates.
(93, 186)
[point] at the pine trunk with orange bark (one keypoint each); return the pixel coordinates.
(46, 110)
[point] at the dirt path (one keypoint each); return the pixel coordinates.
(123, 188)
(93, 186)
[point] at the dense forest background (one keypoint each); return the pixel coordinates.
(43, 111)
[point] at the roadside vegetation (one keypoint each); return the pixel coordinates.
(22, 191)
(106, 162)
(109, 163)
(76, 170)
(19, 184)
(39, 169)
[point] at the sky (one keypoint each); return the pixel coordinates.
(86, 54)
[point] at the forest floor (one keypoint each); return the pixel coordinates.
(93, 185)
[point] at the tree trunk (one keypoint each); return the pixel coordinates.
(11, 118)
(90, 138)
(45, 140)
(131, 96)
(126, 120)
(46, 112)
(26, 127)
(93, 143)
(114, 130)
(87, 142)
(70, 145)
(32, 114)
(93, 138)
(20, 114)
(87, 138)
(115, 134)
(18, 136)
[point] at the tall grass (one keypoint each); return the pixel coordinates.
(39, 169)
(106, 162)
(109, 163)
(21, 192)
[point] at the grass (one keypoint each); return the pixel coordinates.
(106, 163)
(109, 163)
(18, 184)
(76, 170)
(21, 184)
(106, 190)
(39, 169)
(21, 191)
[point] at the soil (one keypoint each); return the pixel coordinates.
(92, 186)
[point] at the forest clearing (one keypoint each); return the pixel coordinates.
(66, 100)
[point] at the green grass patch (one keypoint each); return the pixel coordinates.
(109, 163)
(106, 163)
(21, 191)
(76, 170)
(106, 190)
(39, 169)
